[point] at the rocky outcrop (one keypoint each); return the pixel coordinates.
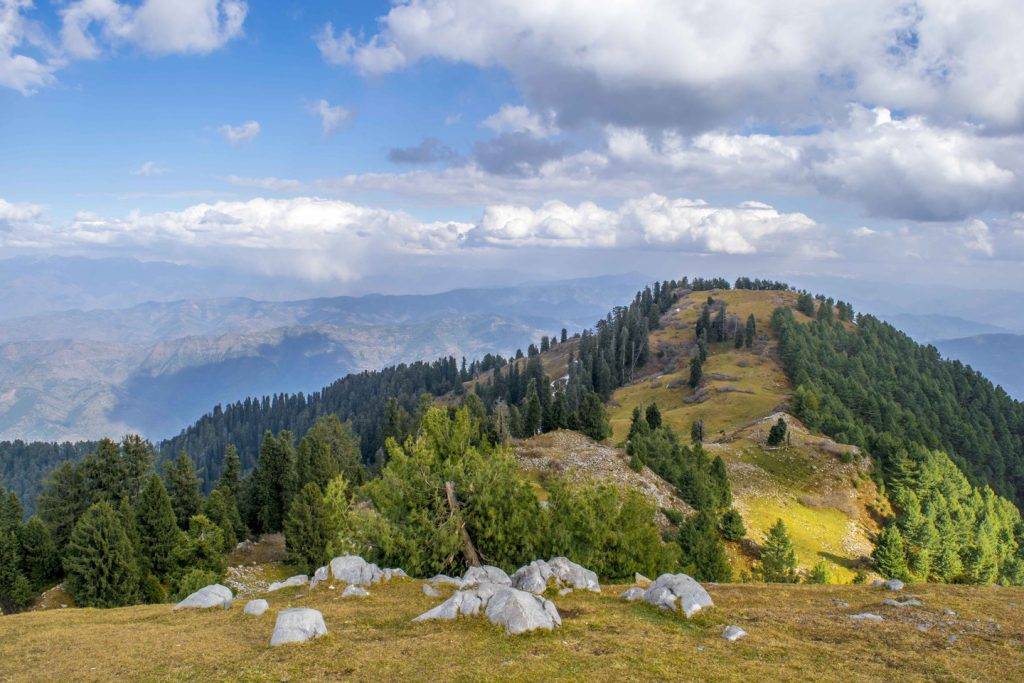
(517, 611)
(678, 592)
(559, 571)
(214, 595)
(475, 576)
(356, 571)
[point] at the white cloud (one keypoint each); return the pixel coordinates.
(519, 119)
(27, 60)
(698, 65)
(22, 225)
(240, 133)
(977, 237)
(149, 168)
(331, 117)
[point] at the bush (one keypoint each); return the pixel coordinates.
(820, 573)
(152, 591)
(188, 582)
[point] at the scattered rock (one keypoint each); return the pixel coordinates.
(475, 576)
(733, 633)
(445, 580)
(535, 577)
(298, 625)
(516, 610)
(641, 580)
(678, 591)
(891, 585)
(948, 612)
(924, 627)
(952, 639)
(633, 594)
(319, 576)
(909, 602)
(866, 616)
(290, 582)
(214, 595)
(256, 607)
(354, 570)
(430, 591)
(354, 592)
(840, 603)
(389, 573)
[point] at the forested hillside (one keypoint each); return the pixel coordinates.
(23, 466)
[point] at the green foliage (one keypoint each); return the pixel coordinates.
(889, 554)
(593, 419)
(653, 416)
(39, 558)
(732, 525)
(306, 529)
(696, 371)
(158, 531)
(820, 573)
(337, 517)
(151, 591)
(750, 332)
(231, 472)
(201, 548)
(24, 466)
(188, 582)
(778, 558)
(62, 501)
(703, 554)
(221, 509)
(777, 434)
(183, 488)
(15, 587)
(274, 481)
(100, 561)
(341, 445)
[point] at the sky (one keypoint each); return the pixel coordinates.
(453, 141)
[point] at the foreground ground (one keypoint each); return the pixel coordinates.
(796, 633)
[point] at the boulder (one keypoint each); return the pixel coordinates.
(214, 595)
(354, 592)
(518, 611)
(892, 585)
(319, 576)
(256, 607)
(536, 576)
(430, 591)
(641, 580)
(678, 592)
(290, 582)
(633, 594)
(445, 580)
(475, 576)
(733, 633)
(355, 571)
(298, 625)
(389, 573)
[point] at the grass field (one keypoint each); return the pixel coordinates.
(796, 633)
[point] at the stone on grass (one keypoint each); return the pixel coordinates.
(389, 573)
(355, 571)
(565, 591)
(290, 582)
(214, 595)
(892, 585)
(256, 607)
(866, 616)
(733, 633)
(678, 592)
(319, 576)
(641, 580)
(909, 602)
(445, 580)
(633, 594)
(516, 610)
(560, 571)
(475, 576)
(354, 592)
(430, 591)
(298, 625)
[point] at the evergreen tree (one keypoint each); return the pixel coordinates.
(274, 481)
(183, 488)
(703, 554)
(201, 549)
(732, 525)
(305, 529)
(697, 431)
(159, 534)
(777, 434)
(751, 331)
(738, 341)
(532, 411)
(890, 555)
(39, 558)
(696, 372)
(62, 501)
(15, 588)
(778, 558)
(820, 573)
(653, 416)
(342, 446)
(99, 560)
(126, 515)
(593, 419)
(221, 510)
(231, 472)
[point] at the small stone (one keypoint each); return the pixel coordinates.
(866, 616)
(430, 591)
(256, 607)
(909, 602)
(924, 628)
(733, 633)
(633, 594)
(952, 639)
(290, 582)
(893, 585)
(840, 603)
(948, 612)
(297, 625)
(354, 592)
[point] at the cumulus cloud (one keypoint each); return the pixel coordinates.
(698, 65)
(428, 151)
(977, 237)
(331, 117)
(240, 133)
(22, 225)
(27, 59)
(519, 119)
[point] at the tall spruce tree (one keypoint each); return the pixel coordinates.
(99, 560)
(778, 558)
(890, 554)
(703, 553)
(62, 501)
(593, 419)
(15, 588)
(751, 331)
(274, 480)
(305, 529)
(231, 472)
(158, 531)
(38, 553)
(183, 488)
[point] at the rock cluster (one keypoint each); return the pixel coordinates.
(355, 571)
(560, 571)
(678, 592)
(474, 576)
(214, 595)
(516, 610)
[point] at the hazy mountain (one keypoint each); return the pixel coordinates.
(929, 327)
(154, 367)
(1000, 357)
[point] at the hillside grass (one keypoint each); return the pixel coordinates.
(796, 633)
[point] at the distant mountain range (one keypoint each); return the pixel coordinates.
(1000, 357)
(155, 366)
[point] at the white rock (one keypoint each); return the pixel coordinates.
(256, 607)
(290, 582)
(633, 594)
(893, 585)
(465, 602)
(298, 625)
(319, 576)
(356, 571)
(389, 573)
(445, 580)
(354, 592)
(866, 616)
(641, 580)
(678, 592)
(430, 591)
(214, 595)
(519, 611)
(536, 576)
(733, 633)
(475, 576)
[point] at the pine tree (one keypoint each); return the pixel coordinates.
(593, 418)
(696, 372)
(274, 480)
(738, 342)
(777, 434)
(38, 553)
(703, 553)
(732, 525)
(99, 560)
(15, 588)
(531, 411)
(305, 531)
(159, 534)
(778, 558)
(820, 573)
(890, 554)
(231, 472)
(183, 488)
(220, 508)
(342, 446)
(201, 550)
(62, 501)
(697, 431)
(653, 415)
(126, 515)
(751, 331)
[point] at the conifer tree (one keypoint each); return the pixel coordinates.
(732, 525)
(738, 342)
(38, 553)
(777, 434)
(778, 558)
(593, 418)
(15, 588)
(703, 554)
(61, 502)
(221, 510)
(531, 411)
(99, 560)
(305, 529)
(751, 331)
(696, 372)
(159, 534)
(653, 416)
(342, 446)
(183, 488)
(697, 431)
(890, 554)
(126, 515)
(201, 549)
(274, 480)
(231, 472)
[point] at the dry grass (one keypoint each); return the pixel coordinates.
(796, 633)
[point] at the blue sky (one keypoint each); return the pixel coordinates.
(523, 137)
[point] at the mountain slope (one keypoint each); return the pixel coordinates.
(1000, 357)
